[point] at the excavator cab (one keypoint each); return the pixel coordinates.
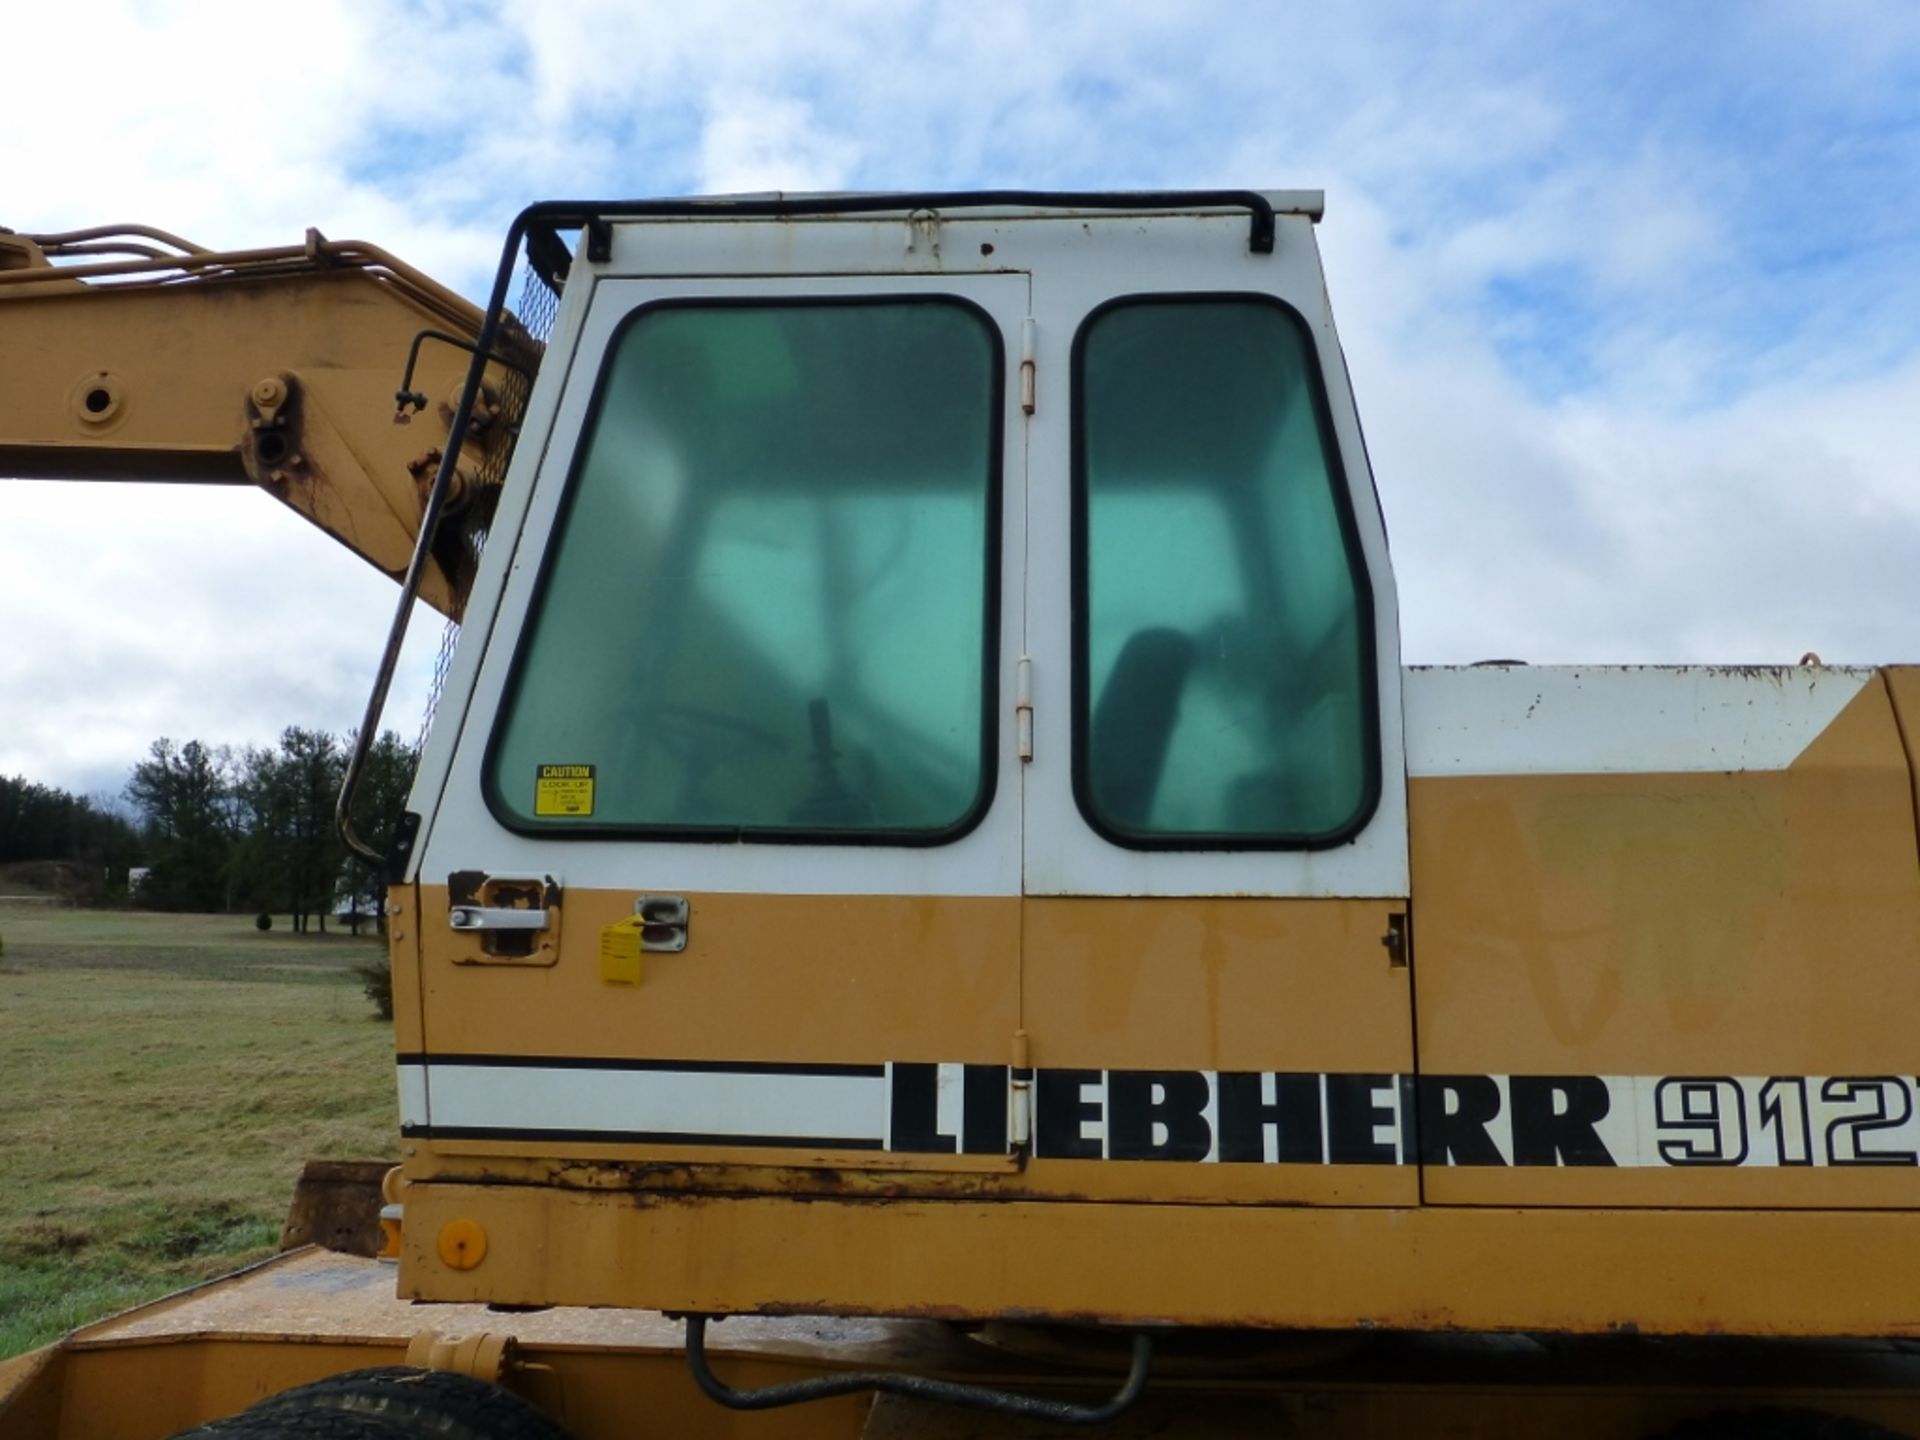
(924, 747)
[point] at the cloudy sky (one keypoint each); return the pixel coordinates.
(1631, 293)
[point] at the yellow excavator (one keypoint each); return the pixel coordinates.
(932, 904)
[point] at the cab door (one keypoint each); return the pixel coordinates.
(1214, 936)
(742, 717)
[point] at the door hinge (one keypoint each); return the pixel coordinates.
(1027, 391)
(1023, 707)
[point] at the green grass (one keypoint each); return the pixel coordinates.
(161, 1079)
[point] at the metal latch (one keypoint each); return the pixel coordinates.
(1398, 951)
(515, 918)
(664, 921)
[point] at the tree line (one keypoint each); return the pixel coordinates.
(39, 822)
(253, 829)
(223, 829)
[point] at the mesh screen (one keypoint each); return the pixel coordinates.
(539, 303)
(529, 328)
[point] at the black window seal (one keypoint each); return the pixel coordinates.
(512, 820)
(1341, 482)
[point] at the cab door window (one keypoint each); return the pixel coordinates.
(769, 607)
(1223, 631)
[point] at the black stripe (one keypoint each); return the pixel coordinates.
(681, 1067)
(645, 1137)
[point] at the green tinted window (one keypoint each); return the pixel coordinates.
(1223, 641)
(766, 609)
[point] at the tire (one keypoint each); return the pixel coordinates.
(1778, 1424)
(397, 1402)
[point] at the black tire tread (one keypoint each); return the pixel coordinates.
(393, 1402)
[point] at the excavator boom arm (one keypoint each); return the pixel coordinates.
(278, 367)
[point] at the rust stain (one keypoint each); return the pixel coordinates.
(648, 1182)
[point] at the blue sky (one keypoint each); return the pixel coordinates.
(1631, 293)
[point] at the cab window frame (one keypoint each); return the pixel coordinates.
(515, 820)
(1339, 481)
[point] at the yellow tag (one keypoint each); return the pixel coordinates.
(564, 790)
(620, 951)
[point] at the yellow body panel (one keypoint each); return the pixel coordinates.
(777, 978)
(1578, 1270)
(1204, 984)
(1903, 689)
(1711, 924)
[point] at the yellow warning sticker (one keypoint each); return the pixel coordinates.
(563, 790)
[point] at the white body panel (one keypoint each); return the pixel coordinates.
(714, 1107)
(1597, 719)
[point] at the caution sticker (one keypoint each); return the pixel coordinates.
(563, 790)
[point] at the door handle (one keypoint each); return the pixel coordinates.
(493, 917)
(515, 919)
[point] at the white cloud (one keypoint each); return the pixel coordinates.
(752, 141)
(1614, 526)
(224, 619)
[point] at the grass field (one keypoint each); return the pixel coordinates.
(161, 1079)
